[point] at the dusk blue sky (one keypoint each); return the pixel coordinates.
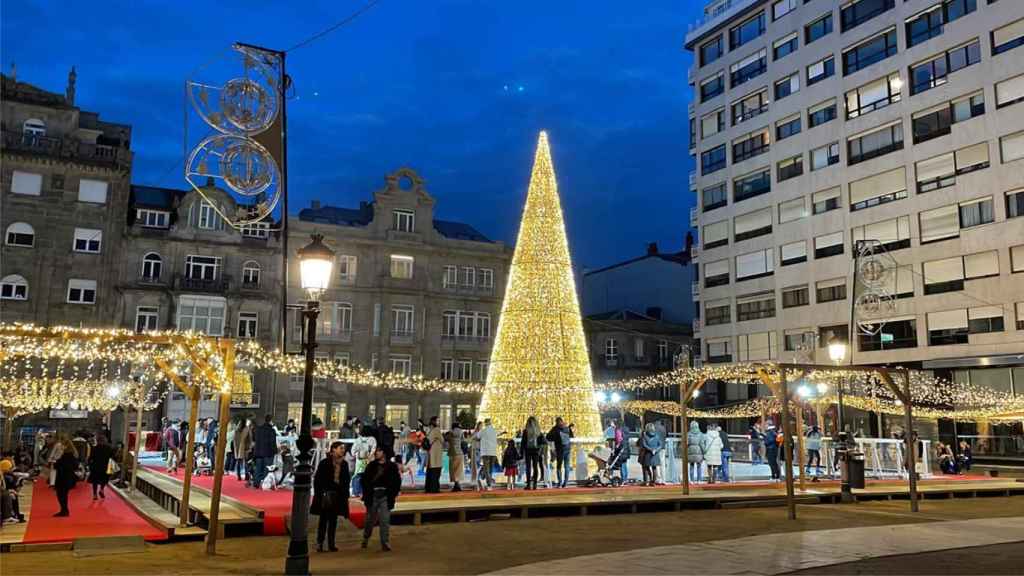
(419, 84)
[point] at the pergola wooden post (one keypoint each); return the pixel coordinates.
(227, 348)
(905, 397)
(192, 392)
(138, 435)
(782, 392)
(787, 443)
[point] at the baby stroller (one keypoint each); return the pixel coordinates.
(609, 464)
(202, 462)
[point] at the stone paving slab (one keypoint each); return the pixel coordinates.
(786, 552)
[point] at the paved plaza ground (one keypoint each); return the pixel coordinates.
(709, 536)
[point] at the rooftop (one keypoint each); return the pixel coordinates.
(358, 217)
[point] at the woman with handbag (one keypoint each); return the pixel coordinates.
(66, 469)
(330, 495)
(99, 466)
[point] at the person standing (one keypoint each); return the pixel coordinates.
(622, 443)
(756, 442)
(330, 495)
(229, 447)
(488, 454)
(652, 446)
(813, 445)
(362, 451)
(713, 453)
(771, 449)
(264, 448)
(381, 484)
(212, 429)
(99, 463)
(726, 453)
(172, 440)
(531, 449)
(696, 445)
(560, 436)
(510, 464)
(435, 456)
(456, 462)
(474, 455)
(241, 443)
(65, 467)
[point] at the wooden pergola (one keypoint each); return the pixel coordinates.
(179, 346)
(776, 378)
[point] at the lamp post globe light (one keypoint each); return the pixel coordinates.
(316, 262)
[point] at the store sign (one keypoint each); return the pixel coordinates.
(886, 338)
(69, 414)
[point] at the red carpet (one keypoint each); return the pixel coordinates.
(276, 504)
(108, 517)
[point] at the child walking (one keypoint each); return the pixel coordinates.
(510, 462)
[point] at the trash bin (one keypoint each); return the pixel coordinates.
(853, 471)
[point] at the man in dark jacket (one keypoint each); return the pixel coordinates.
(264, 448)
(381, 484)
(561, 436)
(771, 450)
(386, 437)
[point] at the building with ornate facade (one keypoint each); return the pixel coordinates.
(411, 294)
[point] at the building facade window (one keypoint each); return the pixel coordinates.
(755, 264)
(757, 346)
(785, 46)
(746, 31)
(401, 364)
(202, 314)
(788, 85)
(755, 307)
(752, 185)
(714, 197)
(402, 266)
(1010, 91)
(20, 234)
(793, 253)
(818, 29)
(938, 120)
(348, 266)
(202, 267)
(792, 210)
(751, 146)
(715, 234)
(248, 325)
(403, 320)
(152, 218)
(947, 327)
(752, 224)
(13, 287)
(711, 51)
(712, 87)
(782, 7)
(152, 267)
(873, 96)
(716, 273)
(985, 319)
(821, 113)
(88, 240)
(893, 234)
(749, 107)
(92, 191)
(81, 291)
(826, 200)
(403, 220)
(931, 22)
(1015, 204)
(147, 318)
(712, 160)
(1007, 37)
(878, 189)
(486, 278)
(790, 168)
(935, 71)
(208, 217)
(870, 51)
(748, 68)
(828, 245)
(821, 70)
(717, 312)
(860, 11)
(896, 333)
(787, 127)
(611, 350)
(26, 183)
(824, 156)
(878, 142)
(795, 297)
(251, 274)
(830, 290)
(713, 123)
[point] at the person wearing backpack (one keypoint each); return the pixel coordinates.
(696, 446)
(560, 436)
(531, 449)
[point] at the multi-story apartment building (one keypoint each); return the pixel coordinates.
(184, 268)
(65, 187)
(820, 124)
(66, 177)
(411, 294)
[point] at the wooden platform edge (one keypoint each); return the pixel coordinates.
(257, 512)
(172, 530)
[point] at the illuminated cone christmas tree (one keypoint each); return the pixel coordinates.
(539, 364)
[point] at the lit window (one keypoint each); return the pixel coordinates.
(347, 267)
(248, 323)
(202, 314)
(401, 266)
(401, 364)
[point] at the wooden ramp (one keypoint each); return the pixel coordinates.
(157, 516)
(164, 494)
(445, 508)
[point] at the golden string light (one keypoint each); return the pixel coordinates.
(539, 364)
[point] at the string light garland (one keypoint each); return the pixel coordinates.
(539, 364)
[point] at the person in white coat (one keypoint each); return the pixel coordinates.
(488, 454)
(713, 452)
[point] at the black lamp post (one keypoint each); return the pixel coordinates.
(316, 262)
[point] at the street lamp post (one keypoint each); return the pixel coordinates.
(837, 353)
(316, 261)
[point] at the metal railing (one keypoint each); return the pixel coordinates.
(64, 148)
(203, 285)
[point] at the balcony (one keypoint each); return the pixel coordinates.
(695, 254)
(403, 336)
(476, 289)
(245, 400)
(462, 342)
(694, 217)
(65, 148)
(201, 284)
(334, 335)
(693, 180)
(611, 361)
(697, 325)
(695, 291)
(151, 281)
